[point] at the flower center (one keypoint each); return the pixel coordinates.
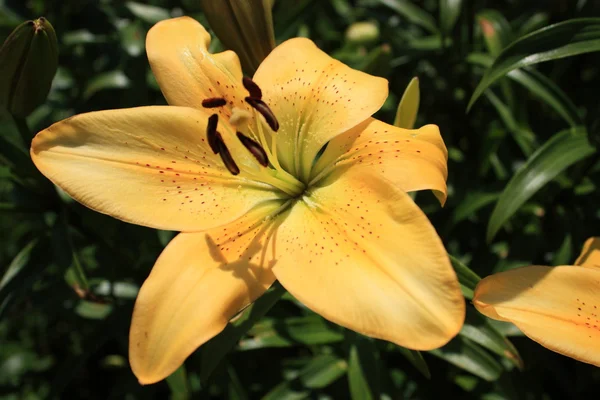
(257, 132)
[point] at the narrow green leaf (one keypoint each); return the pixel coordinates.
(557, 154)
(565, 39)
(413, 13)
(416, 359)
(449, 13)
(308, 330)
(320, 372)
(539, 85)
(22, 270)
(147, 13)
(466, 277)
(364, 369)
(473, 202)
(214, 350)
(533, 23)
(106, 80)
(406, 115)
(524, 138)
(177, 382)
(478, 329)
(470, 357)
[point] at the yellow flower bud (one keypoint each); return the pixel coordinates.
(244, 26)
(28, 62)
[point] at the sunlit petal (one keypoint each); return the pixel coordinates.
(315, 98)
(413, 159)
(199, 282)
(363, 255)
(557, 307)
(185, 70)
(149, 166)
(590, 254)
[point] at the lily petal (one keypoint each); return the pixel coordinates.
(590, 254)
(413, 159)
(360, 253)
(200, 281)
(557, 307)
(185, 70)
(150, 166)
(315, 98)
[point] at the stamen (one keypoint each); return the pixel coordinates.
(255, 149)
(214, 102)
(265, 111)
(211, 133)
(226, 156)
(252, 88)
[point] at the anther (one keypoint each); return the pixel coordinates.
(226, 156)
(214, 102)
(254, 148)
(211, 133)
(266, 112)
(252, 88)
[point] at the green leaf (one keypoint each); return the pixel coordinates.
(557, 154)
(414, 14)
(478, 329)
(177, 382)
(565, 39)
(308, 330)
(473, 202)
(104, 81)
(364, 369)
(496, 30)
(320, 372)
(23, 269)
(416, 359)
(539, 85)
(449, 13)
(466, 277)
(406, 115)
(214, 350)
(470, 357)
(147, 13)
(524, 138)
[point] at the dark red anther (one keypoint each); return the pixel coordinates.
(255, 149)
(214, 102)
(252, 88)
(265, 111)
(211, 133)
(226, 156)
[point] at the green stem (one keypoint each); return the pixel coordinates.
(24, 130)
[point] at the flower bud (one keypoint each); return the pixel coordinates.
(244, 26)
(362, 33)
(28, 62)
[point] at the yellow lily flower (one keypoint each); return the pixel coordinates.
(231, 163)
(558, 307)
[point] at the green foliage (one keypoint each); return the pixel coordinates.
(523, 178)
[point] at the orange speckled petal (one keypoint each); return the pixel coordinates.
(557, 307)
(413, 159)
(199, 282)
(590, 254)
(315, 98)
(359, 252)
(186, 72)
(149, 166)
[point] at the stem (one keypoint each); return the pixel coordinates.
(24, 130)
